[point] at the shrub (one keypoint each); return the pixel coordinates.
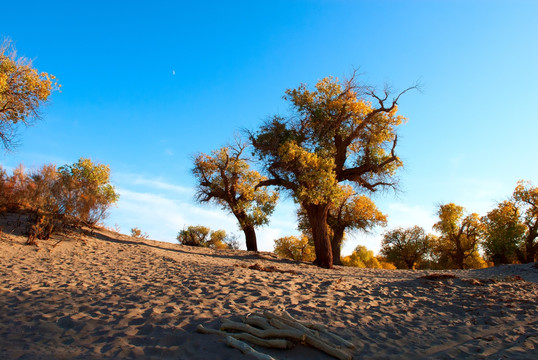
(298, 249)
(361, 257)
(137, 233)
(55, 197)
(203, 237)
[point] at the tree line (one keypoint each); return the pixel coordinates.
(505, 235)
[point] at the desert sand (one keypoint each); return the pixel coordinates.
(106, 295)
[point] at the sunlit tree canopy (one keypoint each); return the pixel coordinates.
(338, 132)
(225, 178)
(23, 90)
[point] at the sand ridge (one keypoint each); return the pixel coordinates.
(113, 296)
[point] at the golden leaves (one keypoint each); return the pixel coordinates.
(291, 247)
(225, 178)
(22, 90)
(313, 173)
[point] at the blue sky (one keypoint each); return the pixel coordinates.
(146, 85)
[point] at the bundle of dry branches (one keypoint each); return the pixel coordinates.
(279, 332)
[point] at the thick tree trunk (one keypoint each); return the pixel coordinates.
(250, 232)
(530, 245)
(460, 260)
(250, 237)
(459, 254)
(336, 245)
(317, 215)
(530, 250)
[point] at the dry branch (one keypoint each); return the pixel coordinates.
(272, 343)
(264, 334)
(324, 330)
(290, 322)
(258, 321)
(245, 349)
(312, 339)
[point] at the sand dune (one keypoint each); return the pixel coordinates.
(112, 296)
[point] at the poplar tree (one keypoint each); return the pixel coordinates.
(339, 132)
(225, 178)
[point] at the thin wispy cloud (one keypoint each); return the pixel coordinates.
(131, 180)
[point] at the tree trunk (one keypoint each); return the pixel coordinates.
(250, 237)
(336, 245)
(459, 254)
(317, 215)
(460, 260)
(250, 233)
(530, 248)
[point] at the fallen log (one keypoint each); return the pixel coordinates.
(279, 332)
(290, 322)
(258, 321)
(268, 343)
(264, 334)
(246, 349)
(323, 329)
(312, 338)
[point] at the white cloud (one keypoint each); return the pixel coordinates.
(130, 180)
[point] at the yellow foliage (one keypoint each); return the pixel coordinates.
(225, 178)
(293, 248)
(316, 178)
(361, 257)
(22, 91)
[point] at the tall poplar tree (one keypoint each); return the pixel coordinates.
(339, 132)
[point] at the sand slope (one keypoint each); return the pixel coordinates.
(112, 296)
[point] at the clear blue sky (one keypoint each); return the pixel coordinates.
(148, 84)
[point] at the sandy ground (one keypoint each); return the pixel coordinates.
(112, 296)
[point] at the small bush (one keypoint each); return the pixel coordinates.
(203, 237)
(298, 249)
(137, 233)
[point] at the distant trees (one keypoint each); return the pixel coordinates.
(204, 237)
(525, 197)
(504, 233)
(406, 248)
(361, 257)
(80, 193)
(294, 248)
(338, 132)
(457, 246)
(225, 178)
(23, 90)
